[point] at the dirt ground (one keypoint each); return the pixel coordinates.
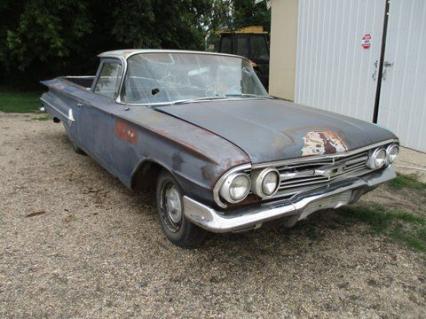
(75, 243)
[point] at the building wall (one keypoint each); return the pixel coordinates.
(327, 54)
(282, 70)
(334, 72)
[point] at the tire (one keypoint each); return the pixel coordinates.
(177, 228)
(77, 149)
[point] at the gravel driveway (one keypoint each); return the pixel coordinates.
(75, 243)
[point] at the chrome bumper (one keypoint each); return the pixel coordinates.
(334, 196)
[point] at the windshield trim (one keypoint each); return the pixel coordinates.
(125, 54)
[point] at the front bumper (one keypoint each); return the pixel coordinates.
(245, 218)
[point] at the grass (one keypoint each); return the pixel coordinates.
(18, 102)
(407, 181)
(401, 226)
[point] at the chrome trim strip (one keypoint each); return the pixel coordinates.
(79, 76)
(69, 118)
(127, 53)
(321, 157)
(123, 75)
(220, 181)
(252, 217)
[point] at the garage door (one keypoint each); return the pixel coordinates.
(402, 106)
(339, 44)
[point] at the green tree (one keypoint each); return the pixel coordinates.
(231, 15)
(247, 12)
(46, 30)
(161, 23)
(44, 38)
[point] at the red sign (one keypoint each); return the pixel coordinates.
(366, 41)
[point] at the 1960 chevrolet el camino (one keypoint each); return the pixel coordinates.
(222, 154)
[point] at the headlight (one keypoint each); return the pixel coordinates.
(377, 158)
(235, 188)
(392, 152)
(265, 182)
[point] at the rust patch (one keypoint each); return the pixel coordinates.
(191, 148)
(323, 142)
(125, 132)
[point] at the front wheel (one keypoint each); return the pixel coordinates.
(178, 229)
(77, 149)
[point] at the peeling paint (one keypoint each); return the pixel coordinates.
(323, 142)
(125, 132)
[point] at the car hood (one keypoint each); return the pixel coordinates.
(273, 129)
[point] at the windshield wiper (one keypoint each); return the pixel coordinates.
(248, 95)
(207, 98)
(221, 97)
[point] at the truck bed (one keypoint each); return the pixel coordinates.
(85, 81)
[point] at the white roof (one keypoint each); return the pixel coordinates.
(124, 54)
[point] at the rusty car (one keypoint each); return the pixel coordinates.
(221, 154)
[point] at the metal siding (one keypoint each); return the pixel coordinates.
(403, 93)
(333, 71)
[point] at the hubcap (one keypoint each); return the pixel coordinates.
(172, 207)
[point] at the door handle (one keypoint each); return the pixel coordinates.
(386, 65)
(374, 75)
(79, 104)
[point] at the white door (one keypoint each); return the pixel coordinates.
(402, 106)
(338, 45)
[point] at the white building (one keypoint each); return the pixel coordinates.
(362, 58)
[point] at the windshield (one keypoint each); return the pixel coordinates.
(172, 77)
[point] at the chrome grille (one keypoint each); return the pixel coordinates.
(310, 174)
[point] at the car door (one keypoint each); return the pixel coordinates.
(96, 116)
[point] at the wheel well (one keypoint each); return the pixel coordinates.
(145, 177)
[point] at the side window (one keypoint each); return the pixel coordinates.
(109, 79)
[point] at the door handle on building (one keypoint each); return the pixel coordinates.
(386, 65)
(374, 75)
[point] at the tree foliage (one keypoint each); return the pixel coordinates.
(247, 12)
(42, 34)
(43, 38)
(161, 23)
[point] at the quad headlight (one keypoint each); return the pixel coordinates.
(377, 158)
(392, 152)
(382, 157)
(266, 182)
(235, 188)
